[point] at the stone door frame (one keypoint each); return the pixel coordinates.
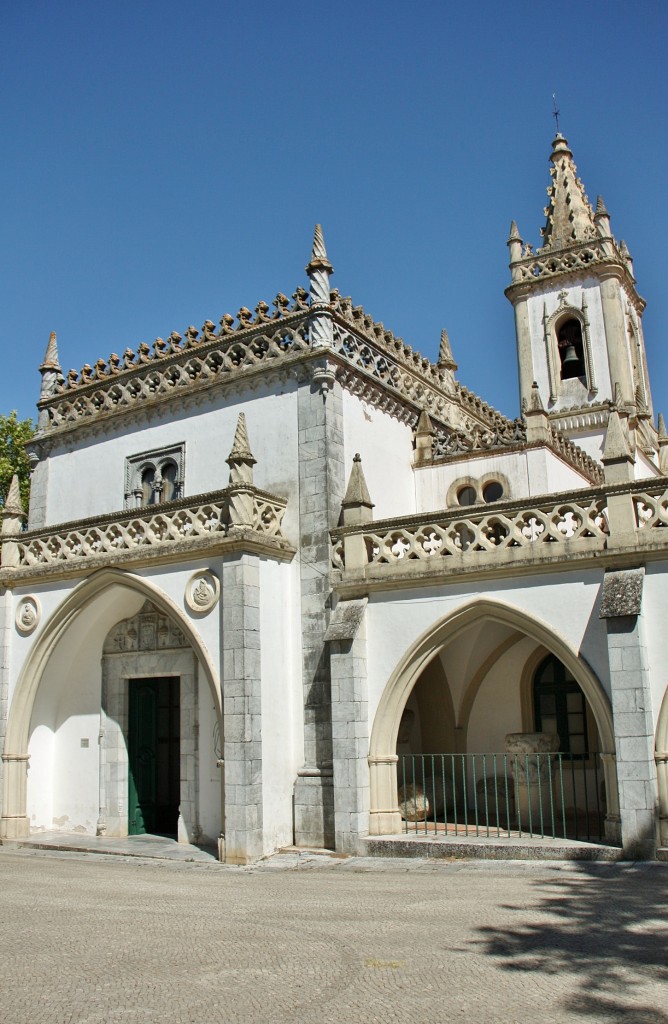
(118, 669)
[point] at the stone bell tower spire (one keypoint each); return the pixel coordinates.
(578, 315)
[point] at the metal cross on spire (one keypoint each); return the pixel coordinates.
(555, 111)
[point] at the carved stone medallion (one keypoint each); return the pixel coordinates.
(202, 591)
(28, 615)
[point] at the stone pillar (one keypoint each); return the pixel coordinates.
(616, 337)
(14, 823)
(632, 712)
(321, 489)
(350, 724)
(242, 708)
(6, 608)
(524, 349)
(661, 758)
(385, 818)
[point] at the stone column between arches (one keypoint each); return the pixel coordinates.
(632, 711)
(242, 709)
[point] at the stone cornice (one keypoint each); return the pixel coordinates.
(184, 551)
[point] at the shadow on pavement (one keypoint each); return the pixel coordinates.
(604, 930)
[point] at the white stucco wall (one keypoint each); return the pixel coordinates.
(90, 479)
(537, 471)
(386, 447)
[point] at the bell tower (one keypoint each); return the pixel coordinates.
(578, 317)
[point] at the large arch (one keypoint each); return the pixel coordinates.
(385, 817)
(14, 822)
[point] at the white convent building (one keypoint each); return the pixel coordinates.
(285, 581)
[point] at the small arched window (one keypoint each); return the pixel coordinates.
(152, 478)
(560, 706)
(147, 486)
(570, 345)
(168, 492)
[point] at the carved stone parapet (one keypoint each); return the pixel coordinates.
(174, 523)
(577, 257)
(508, 526)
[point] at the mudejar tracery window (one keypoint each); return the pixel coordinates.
(152, 478)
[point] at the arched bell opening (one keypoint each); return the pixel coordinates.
(571, 349)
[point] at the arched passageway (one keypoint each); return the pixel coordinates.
(487, 710)
(68, 745)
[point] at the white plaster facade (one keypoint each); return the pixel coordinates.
(343, 591)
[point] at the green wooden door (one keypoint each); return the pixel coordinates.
(153, 756)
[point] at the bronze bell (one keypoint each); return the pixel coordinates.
(570, 356)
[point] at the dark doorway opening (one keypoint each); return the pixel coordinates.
(154, 756)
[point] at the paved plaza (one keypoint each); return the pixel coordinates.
(88, 938)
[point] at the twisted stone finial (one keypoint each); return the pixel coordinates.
(241, 459)
(241, 444)
(319, 260)
(51, 361)
(445, 357)
(663, 435)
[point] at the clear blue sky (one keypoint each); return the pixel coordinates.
(165, 163)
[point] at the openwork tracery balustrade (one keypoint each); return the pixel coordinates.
(151, 527)
(651, 508)
(453, 534)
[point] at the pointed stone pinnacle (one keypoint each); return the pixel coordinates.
(357, 492)
(514, 232)
(616, 444)
(319, 259)
(663, 436)
(13, 504)
(240, 446)
(424, 426)
(50, 361)
(600, 208)
(535, 402)
(445, 358)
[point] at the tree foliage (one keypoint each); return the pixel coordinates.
(13, 458)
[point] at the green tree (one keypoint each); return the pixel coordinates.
(13, 458)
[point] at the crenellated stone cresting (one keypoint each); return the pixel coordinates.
(157, 526)
(513, 434)
(575, 455)
(177, 345)
(570, 521)
(547, 263)
(184, 371)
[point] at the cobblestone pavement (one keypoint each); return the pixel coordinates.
(88, 938)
